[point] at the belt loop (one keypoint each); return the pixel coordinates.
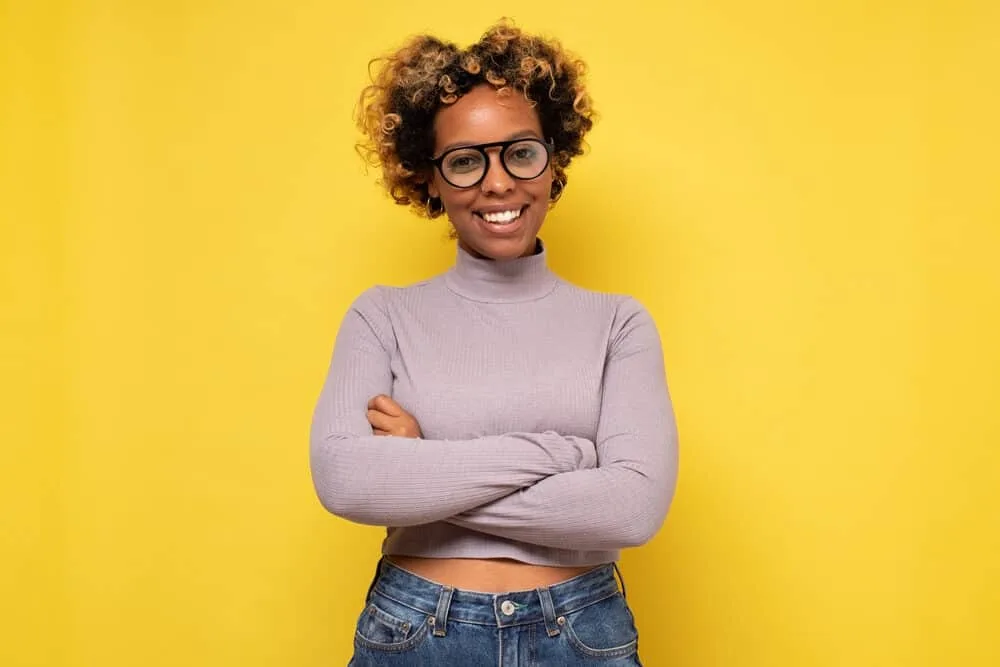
(548, 611)
(441, 614)
(621, 579)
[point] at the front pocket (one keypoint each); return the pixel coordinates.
(389, 627)
(603, 630)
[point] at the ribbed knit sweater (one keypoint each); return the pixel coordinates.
(548, 431)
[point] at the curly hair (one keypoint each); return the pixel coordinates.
(396, 112)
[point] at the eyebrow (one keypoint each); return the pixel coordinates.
(523, 134)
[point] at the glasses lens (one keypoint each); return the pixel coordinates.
(526, 159)
(463, 167)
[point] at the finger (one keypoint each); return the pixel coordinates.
(385, 404)
(381, 420)
(379, 431)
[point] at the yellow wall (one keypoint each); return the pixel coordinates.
(804, 194)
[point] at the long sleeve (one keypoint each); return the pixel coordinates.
(624, 501)
(390, 481)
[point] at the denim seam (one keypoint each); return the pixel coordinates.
(532, 658)
(459, 619)
(613, 652)
(430, 614)
(404, 604)
(588, 604)
(405, 645)
(577, 644)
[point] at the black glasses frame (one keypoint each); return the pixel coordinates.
(504, 145)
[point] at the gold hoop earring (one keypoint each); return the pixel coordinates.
(557, 190)
(434, 207)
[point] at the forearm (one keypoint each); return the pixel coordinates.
(392, 481)
(604, 508)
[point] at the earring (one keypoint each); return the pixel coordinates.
(434, 207)
(557, 190)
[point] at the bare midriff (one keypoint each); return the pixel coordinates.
(487, 575)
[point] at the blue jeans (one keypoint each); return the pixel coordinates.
(413, 622)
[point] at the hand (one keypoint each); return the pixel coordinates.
(388, 417)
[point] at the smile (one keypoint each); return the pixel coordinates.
(501, 217)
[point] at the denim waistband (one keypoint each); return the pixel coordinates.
(444, 603)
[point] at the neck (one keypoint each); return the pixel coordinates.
(501, 281)
(535, 249)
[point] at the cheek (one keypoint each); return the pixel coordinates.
(454, 200)
(542, 187)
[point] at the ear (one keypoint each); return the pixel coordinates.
(428, 174)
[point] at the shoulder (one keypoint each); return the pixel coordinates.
(385, 297)
(385, 303)
(628, 320)
(625, 320)
(614, 304)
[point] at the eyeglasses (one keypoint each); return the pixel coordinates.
(466, 166)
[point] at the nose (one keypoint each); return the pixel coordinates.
(497, 180)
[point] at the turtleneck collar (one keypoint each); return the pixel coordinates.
(508, 281)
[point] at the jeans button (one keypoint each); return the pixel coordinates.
(507, 607)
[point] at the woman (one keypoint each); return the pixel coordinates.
(514, 432)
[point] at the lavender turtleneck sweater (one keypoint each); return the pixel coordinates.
(549, 435)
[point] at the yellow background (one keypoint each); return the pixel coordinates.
(803, 193)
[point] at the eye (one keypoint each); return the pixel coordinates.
(523, 153)
(463, 162)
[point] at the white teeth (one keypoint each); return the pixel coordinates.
(502, 217)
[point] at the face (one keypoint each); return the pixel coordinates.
(498, 218)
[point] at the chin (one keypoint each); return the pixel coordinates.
(500, 242)
(501, 250)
